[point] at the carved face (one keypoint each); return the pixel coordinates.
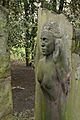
(47, 43)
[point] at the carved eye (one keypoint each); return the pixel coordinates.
(49, 28)
(44, 38)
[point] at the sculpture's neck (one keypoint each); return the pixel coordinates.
(49, 57)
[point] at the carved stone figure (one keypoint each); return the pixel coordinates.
(53, 74)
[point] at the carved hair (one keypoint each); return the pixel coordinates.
(53, 28)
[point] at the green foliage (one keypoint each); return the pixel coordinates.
(16, 26)
(16, 19)
(18, 54)
(76, 47)
(72, 10)
(22, 27)
(25, 115)
(22, 21)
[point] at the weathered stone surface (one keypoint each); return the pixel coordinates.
(75, 89)
(6, 105)
(4, 55)
(76, 86)
(5, 98)
(4, 66)
(9, 117)
(3, 31)
(46, 109)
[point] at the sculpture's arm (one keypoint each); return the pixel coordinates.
(49, 91)
(56, 53)
(66, 84)
(64, 80)
(62, 66)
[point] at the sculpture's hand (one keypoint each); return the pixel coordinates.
(66, 84)
(40, 81)
(57, 50)
(50, 91)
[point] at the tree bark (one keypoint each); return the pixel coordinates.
(26, 8)
(61, 6)
(54, 5)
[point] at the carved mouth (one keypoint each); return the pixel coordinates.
(43, 50)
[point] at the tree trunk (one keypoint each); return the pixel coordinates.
(54, 4)
(26, 8)
(61, 6)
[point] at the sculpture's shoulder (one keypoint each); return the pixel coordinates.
(40, 65)
(40, 69)
(41, 61)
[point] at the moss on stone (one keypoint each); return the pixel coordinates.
(4, 66)
(5, 98)
(9, 117)
(5, 81)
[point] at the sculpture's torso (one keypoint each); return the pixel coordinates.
(51, 90)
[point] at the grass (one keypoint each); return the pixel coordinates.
(25, 115)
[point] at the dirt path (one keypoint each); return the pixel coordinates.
(23, 86)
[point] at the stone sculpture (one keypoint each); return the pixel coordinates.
(6, 104)
(53, 73)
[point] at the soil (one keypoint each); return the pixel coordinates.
(23, 86)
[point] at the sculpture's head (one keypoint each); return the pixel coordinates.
(49, 34)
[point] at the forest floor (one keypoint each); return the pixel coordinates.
(23, 90)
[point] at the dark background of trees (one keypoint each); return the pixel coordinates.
(22, 22)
